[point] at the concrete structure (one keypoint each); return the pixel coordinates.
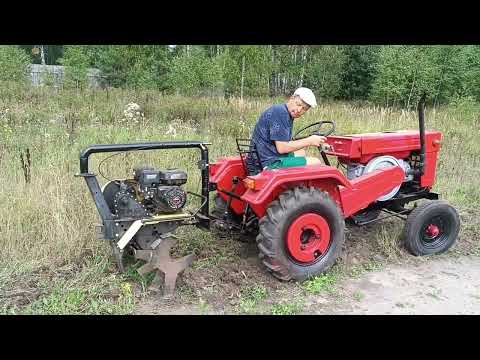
(40, 74)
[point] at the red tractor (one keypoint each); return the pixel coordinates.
(296, 214)
(299, 212)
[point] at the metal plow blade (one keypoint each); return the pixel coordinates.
(159, 260)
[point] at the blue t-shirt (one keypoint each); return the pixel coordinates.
(275, 124)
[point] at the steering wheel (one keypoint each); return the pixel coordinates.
(318, 125)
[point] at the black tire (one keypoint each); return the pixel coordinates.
(420, 239)
(274, 226)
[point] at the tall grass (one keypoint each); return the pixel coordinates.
(50, 220)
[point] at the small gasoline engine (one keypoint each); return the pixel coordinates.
(150, 192)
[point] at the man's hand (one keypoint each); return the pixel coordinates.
(285, 147)
(316, 140)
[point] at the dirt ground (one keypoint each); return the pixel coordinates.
(440, 286)
(374, 275)
(397, 284)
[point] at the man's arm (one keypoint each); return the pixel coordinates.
(285, 147)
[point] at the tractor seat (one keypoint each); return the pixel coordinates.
(249, 155)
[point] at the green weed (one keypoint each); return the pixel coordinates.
(358, 296)
(323, 283)
(83, 301)
(251, 296)
(286, 308)
(358, 270)
(204, 307)
(90, 289)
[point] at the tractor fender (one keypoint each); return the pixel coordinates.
(270, 183)
(225, 169)
(368, 188)
(222, 173)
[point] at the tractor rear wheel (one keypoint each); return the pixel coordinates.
(301, 235)
(431, 228)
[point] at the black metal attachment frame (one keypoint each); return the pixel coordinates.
(108, 219)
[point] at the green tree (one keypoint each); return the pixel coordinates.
(453, 68)
(472, 71)
(14, 63)
(404, 73)
(115, 61)
(289, 63)
(150, 68)
(247, 70)
(359, 71)
(324, 70)
(51, 53)
(194, 72)
(459, 68)
(76, 61)
(133, 65)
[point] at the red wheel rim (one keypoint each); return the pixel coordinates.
(308, 238)
(432, 231)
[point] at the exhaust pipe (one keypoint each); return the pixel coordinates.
(421, 125)
(420, 170)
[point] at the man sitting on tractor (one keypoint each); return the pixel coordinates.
(272, 135)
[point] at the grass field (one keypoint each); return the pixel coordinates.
(50, 260)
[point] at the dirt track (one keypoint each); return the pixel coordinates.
(399, 283)
(440, 286)
(445, 285)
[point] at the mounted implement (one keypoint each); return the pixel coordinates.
(141, 214)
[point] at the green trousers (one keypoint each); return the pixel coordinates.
(286, 161)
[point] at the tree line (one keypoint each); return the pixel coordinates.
(391, 75)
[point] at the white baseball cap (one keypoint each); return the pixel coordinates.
(306, 95)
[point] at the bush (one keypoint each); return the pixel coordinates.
(324, 72)
(359, 71)
(133, 66)
(14, 63)
(191, 74)
(445, 73)
(76, 62)
(403, 74)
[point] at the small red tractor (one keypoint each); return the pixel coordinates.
(297, 215)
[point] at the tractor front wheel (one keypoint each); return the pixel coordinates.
(431, 228)
(301, 235)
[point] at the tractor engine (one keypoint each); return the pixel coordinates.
(150, 192)
(356, 169)
(362, 154)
